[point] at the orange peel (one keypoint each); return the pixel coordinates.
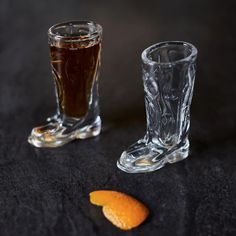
(120, 209)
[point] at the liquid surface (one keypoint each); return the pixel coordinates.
(74, 71)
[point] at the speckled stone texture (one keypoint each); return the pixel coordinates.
(45, 191)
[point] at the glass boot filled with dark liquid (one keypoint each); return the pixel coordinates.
(75, 49)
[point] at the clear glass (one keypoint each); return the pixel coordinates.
(75, 53)
(168, 75)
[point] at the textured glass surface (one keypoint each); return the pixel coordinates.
(168, 77)
(75, 53)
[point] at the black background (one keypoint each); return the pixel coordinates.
(45, 191)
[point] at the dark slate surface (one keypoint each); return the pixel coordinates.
(45, 191)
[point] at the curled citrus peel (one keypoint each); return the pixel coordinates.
(120, 209)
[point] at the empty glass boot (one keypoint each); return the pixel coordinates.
(168, 77)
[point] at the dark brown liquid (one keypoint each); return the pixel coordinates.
(74, 70)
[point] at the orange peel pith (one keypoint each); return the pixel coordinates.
(120, 209)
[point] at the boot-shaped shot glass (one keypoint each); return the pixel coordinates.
(168, 77)
(75, 49)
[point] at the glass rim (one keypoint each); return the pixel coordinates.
(188, 58)
(95, 34)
